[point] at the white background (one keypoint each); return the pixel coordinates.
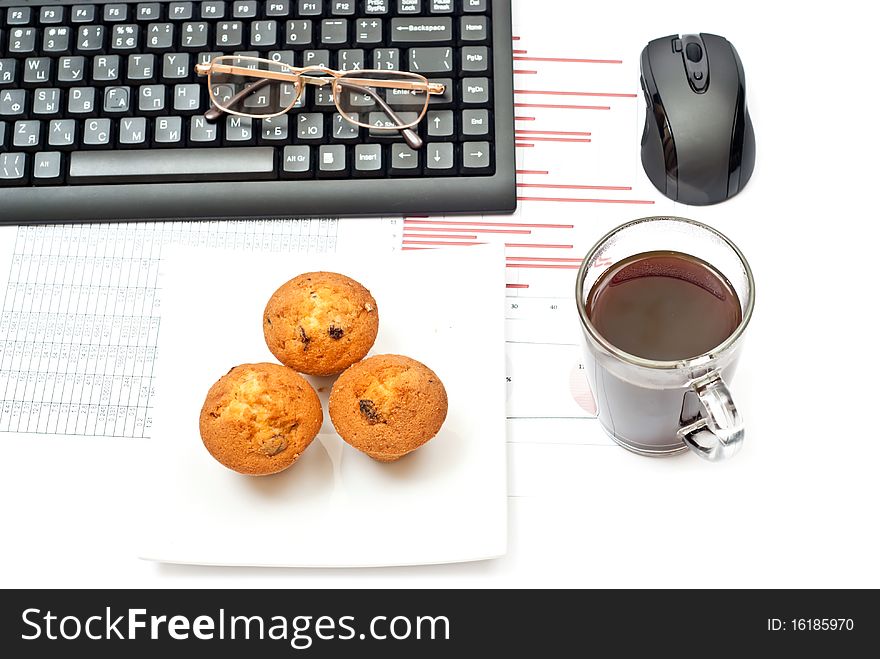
(798, 507)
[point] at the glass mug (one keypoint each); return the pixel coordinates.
(660, 408)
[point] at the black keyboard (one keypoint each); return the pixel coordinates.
(102, 114)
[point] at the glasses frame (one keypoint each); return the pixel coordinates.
(308, 75)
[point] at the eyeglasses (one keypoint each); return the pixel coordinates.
(263, 89)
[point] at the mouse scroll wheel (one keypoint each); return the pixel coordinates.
(693, 52)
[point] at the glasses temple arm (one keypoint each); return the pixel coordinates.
(213, 113)
(409, 135)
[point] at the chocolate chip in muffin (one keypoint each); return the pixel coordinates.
(368, 409)
(335, 332)
(304, 338)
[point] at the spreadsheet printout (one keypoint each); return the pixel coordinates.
(82, 310)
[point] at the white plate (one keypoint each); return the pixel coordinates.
(446, 502)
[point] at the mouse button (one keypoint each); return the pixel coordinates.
(676, 45)
(694, 52)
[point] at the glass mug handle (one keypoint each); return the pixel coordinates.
(719, 432)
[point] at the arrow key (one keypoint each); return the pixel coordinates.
(440, 123)
(476, 157)
(439, 157)
(404, 160)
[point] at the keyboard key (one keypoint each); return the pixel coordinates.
(37, 70)
(228, 34)
(419, 30)
(13, 168)
(26, 134)
(160, 36)
(342, 7)
(296, 161)
(264, 34)
(56, 40)
(187, 98)
(12, 102)
(82, 14)
(168, 130)
(151, 98)
(148, 11)
(7, 71)
(409, 6)
(214, 9)
(430, 60)
(299, 33)
(331, 160)
(71, 70)
(117, 99)
(171, 165)
(310, 8)
(343, 129)
(202, 131)
(194, 35)
(316, 58)
(141, 68)
(476, 156)
(441, 6)
(310, 126)
(334, 31)
(115, 13)
(133, 131)
(350, 60)
(239, 130)
(474, 59)
(124, 37)
(404, 160)
(376, 7)
(81, 101)
(106, 68)
(2, 134)
(22, 40)
(244, 9)
(368, 31)
(368, 159)
(475, 122)
(386, 59)
(283, 56)
(180, 11)
(445, 99)
(18, 16)
(474, 28)
(96, 132)
(90, 39)
(274, 129)
(277, 8)
(475, 6)
(440, 123)
(439, 156)
(62, 133)
(47, 167)
(382, 126)
(475, 91)
(176, 66)
(47, 102)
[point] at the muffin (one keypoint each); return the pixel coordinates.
(259, 418)
(387, 406)
(320, 323)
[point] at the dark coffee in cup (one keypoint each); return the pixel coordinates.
(664, 306)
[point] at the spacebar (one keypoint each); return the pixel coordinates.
(167, 166)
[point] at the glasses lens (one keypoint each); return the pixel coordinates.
(238, 85)
(382, 99)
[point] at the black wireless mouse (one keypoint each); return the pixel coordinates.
(698, 146)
